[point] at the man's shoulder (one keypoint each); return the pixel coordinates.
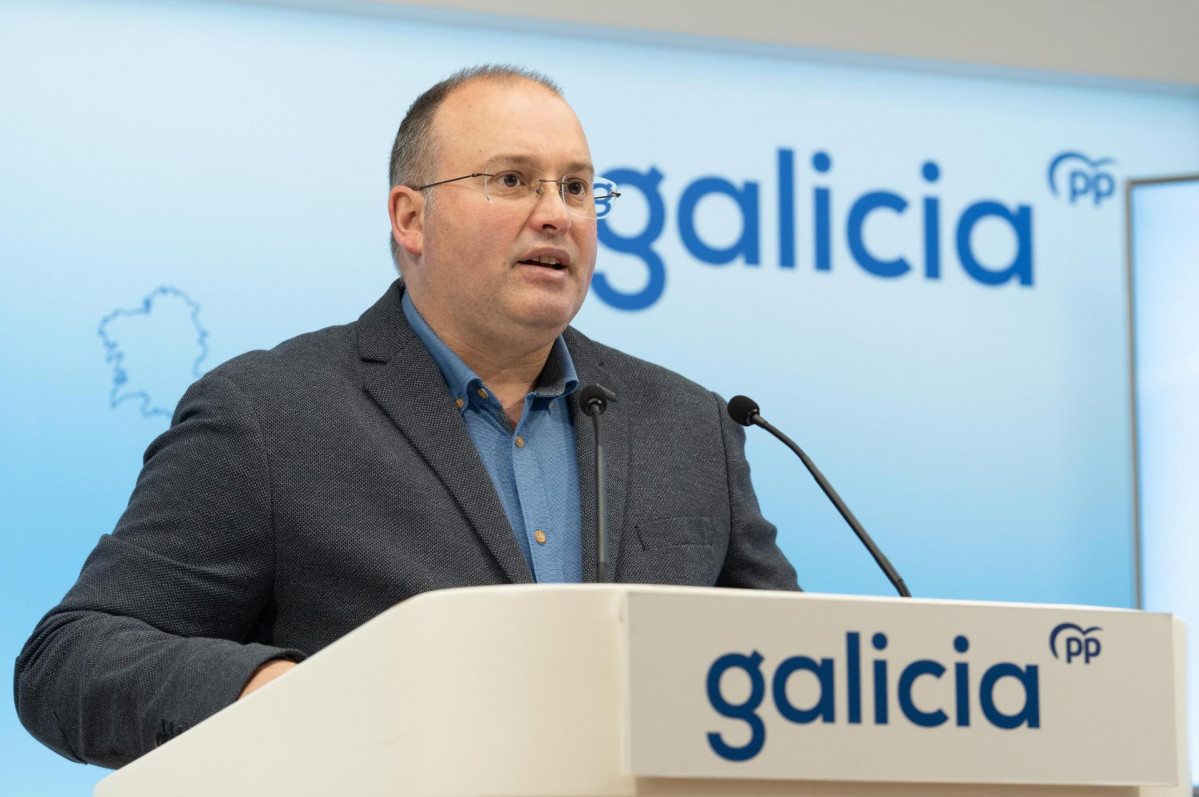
(328, 354)
(312, 358)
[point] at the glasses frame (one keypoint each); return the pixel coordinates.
(540, 187)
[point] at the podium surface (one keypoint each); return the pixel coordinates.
(628, 689)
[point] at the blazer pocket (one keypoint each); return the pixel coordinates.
(671, 531)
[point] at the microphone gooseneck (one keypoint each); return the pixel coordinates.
(744, 411)
(594, 400)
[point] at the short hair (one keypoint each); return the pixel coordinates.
(415, 149)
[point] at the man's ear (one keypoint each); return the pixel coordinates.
(405, 206)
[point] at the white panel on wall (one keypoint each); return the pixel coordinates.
(1164, 234)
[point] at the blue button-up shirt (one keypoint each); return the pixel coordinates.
(533, 466)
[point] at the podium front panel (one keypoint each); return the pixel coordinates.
(899, 690)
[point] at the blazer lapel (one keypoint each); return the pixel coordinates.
(403, 379)
(590, 367)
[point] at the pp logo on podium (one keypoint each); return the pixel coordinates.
(1075, 642)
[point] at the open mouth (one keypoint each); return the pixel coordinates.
(544, 262)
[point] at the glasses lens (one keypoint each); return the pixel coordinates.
(508, 187)
(581, 196)
(604, 194)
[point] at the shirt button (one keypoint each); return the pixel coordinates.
(520, 442)
(539, 535)
(482, 393)
(459, 403)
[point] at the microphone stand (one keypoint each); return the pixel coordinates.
(881, 558)
(594, 399)
(745, 412)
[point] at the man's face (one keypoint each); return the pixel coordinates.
(475, 276)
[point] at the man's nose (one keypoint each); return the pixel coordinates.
(549, 209)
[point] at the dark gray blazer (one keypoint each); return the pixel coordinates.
(301, 491)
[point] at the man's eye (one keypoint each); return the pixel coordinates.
(509, 179)
(575, 187)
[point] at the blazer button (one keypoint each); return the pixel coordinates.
(539, 535)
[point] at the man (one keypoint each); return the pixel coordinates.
(434, 443)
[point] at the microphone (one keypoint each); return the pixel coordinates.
(594, 399)
(744, 411)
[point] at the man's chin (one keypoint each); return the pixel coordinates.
(548, 317)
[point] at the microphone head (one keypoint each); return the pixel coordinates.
(595, 397)
(743, 410)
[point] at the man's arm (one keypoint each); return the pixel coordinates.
(753, 558)
(152, 637)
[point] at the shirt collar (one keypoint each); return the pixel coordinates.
(557, 379)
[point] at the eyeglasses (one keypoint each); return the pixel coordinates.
(589, 199)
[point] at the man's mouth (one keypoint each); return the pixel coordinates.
(544, 262)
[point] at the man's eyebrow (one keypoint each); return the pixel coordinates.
(574, 167)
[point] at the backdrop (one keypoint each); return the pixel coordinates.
(919, 276)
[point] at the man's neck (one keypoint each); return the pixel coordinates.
(509, 374)
(509, 364)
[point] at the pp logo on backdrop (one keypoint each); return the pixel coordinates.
(1082, 177)
(1075, 642)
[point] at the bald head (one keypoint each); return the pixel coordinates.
(414, 153)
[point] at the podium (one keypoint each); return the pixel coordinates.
(609, 690)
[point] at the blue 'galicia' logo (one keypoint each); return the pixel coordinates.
(883, 685)
(1078, 642)
(813, 237)
(1084, 177)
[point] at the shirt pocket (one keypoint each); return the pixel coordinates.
(672, 531)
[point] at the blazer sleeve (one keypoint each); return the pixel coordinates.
(152, 638)
(753, 559)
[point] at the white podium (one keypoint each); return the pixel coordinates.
(626, 690)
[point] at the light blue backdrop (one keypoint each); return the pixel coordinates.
(236, 156)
